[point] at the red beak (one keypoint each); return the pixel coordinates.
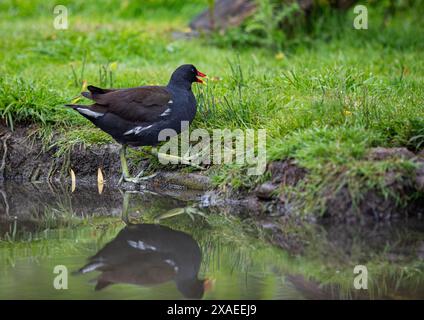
(200, 74)
(208, 285)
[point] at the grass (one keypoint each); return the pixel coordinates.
(325, 97)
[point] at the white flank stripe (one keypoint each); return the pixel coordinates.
(92, 267)
(172, 263)
(136, 130)
(141, 245)
(166, 112)
(90, 113)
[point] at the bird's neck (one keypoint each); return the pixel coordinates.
(179, 84)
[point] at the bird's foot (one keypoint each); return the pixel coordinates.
(137, 179)
(183, 160)
(190, 211)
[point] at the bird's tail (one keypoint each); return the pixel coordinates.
(89, 267)
(90, 112)
(73, 106)
(87, 95)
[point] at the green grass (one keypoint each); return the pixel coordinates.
(325, 97)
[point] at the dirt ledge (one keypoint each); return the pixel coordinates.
(23, 158)
(339, 206)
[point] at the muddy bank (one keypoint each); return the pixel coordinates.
(29, 200)
(23, 158)
(340, 204)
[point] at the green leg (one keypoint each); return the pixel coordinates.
(124, 165)
(125, 216)
(125, 172)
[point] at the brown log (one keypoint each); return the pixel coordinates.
(344, 4)
(226, 13)
(231, 13)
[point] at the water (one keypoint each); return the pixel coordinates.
(150, 246)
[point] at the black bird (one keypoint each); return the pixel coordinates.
(136, 116)
(149, 254)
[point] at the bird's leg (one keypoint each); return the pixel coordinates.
(124, 165)
(124, 214)
(125, 172)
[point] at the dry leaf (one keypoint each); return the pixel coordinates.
(100, 180)
(113, 66)
(74, 101)
(280, 56)
(84, 85)
(73, 181)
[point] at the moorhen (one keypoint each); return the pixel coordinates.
(150, 254)
(135, 116)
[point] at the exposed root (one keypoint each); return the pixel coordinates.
(35, 174)
(3, 161)
(51, 171)
(6, 203)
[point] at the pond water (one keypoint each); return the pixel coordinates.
(143, 245)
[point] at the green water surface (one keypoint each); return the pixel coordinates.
(165, 248)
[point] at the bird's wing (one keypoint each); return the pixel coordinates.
(142, 104)
(95, 91)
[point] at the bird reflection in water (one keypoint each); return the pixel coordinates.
(148, 255)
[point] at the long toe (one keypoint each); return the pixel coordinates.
(144, 178)
(139, 179)
(140, 174)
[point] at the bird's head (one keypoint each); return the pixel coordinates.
(195, 288)
(186, 74)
